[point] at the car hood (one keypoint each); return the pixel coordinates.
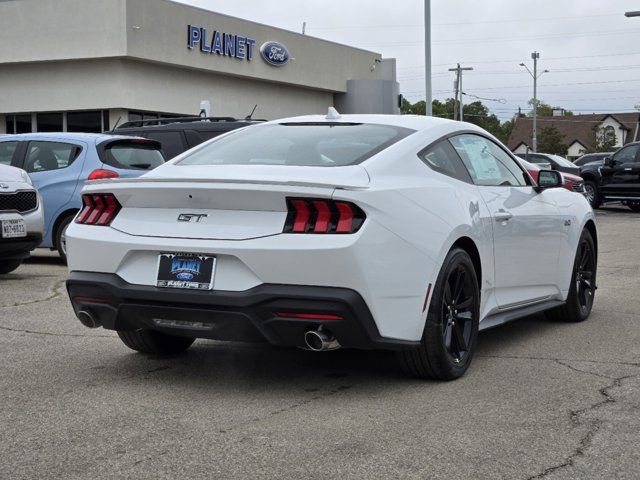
(11, 174)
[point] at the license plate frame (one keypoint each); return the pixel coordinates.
(186, 271)
(13, 228)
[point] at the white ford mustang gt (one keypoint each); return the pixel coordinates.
(364, 231)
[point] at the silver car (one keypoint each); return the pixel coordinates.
(21, 218)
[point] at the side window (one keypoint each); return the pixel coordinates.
(443, 159)
(172, 143)
(627, 154)
(487, 163)
(47, 156)
(7, 149)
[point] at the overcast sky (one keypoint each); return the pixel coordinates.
(590, 48)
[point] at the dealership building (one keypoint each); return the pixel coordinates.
(85, 65)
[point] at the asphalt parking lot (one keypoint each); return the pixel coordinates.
(542, 400)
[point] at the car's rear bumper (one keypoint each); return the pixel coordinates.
(250, 315)
(18, 248)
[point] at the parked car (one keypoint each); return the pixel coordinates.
(178, 135)
(573, 183)
(21, 217)
(366, 231)
(555, 162)
(59, 164)
(591, 158)
(616, 180)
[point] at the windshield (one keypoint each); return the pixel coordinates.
(563, 162)
(299, 144)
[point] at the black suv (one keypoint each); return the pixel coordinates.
(178, 135)
(618, 179)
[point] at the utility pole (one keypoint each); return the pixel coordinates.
(458, 107)
(534, 133)
(427, 58)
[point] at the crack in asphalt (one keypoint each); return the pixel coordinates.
(575, 415)
(56, 291)
(301, 403)
(52, 334)
(552, 359)
(587, 440)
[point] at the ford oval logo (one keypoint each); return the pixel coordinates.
(184, 276)
(275, 54)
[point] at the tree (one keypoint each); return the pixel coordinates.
(546, 110)
(604, 139)
(475, 112)
(550, 141)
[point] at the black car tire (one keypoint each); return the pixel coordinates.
(635, 206)
(590, 186)
(8, 266)
(151, 341)
(583, 284)
(441, 355)
(60, 241)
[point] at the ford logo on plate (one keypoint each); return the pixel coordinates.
(184, 276)
(275, 54)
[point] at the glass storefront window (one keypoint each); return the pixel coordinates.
(23, 123)
(85, 122)
(49, 122)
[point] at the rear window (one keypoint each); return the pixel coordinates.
(132, 156)
(299, 144)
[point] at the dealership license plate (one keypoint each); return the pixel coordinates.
(14, 228)
(186, 270)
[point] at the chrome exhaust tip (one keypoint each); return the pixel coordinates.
(88, 319)
(320, 340)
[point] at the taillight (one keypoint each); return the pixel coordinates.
(99, 209)
(316, 215)
(102, 174)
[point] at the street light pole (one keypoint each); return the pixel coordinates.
(535, 56)
(427, 58)
(534, 133)
(632, 14)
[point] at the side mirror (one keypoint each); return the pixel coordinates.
(608, 162)
(549, 179)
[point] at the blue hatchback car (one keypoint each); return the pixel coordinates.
(59, 164)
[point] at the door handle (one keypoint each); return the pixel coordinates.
(503, 216)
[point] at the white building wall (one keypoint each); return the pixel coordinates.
(522, 148)
(620, 132)
(576, 149)
(135, 85)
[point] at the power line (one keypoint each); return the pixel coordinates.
(463, 41)
(572, 57)
(514, 20)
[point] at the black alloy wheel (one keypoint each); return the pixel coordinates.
(457, 313)
(583, 287)
(585, 276)
(451, 328)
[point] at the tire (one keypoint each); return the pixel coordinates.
(635, 206)
(441, 355)
(592, 194)
(583, 284)
(8, 266)
(151, 341)
(60, 237)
